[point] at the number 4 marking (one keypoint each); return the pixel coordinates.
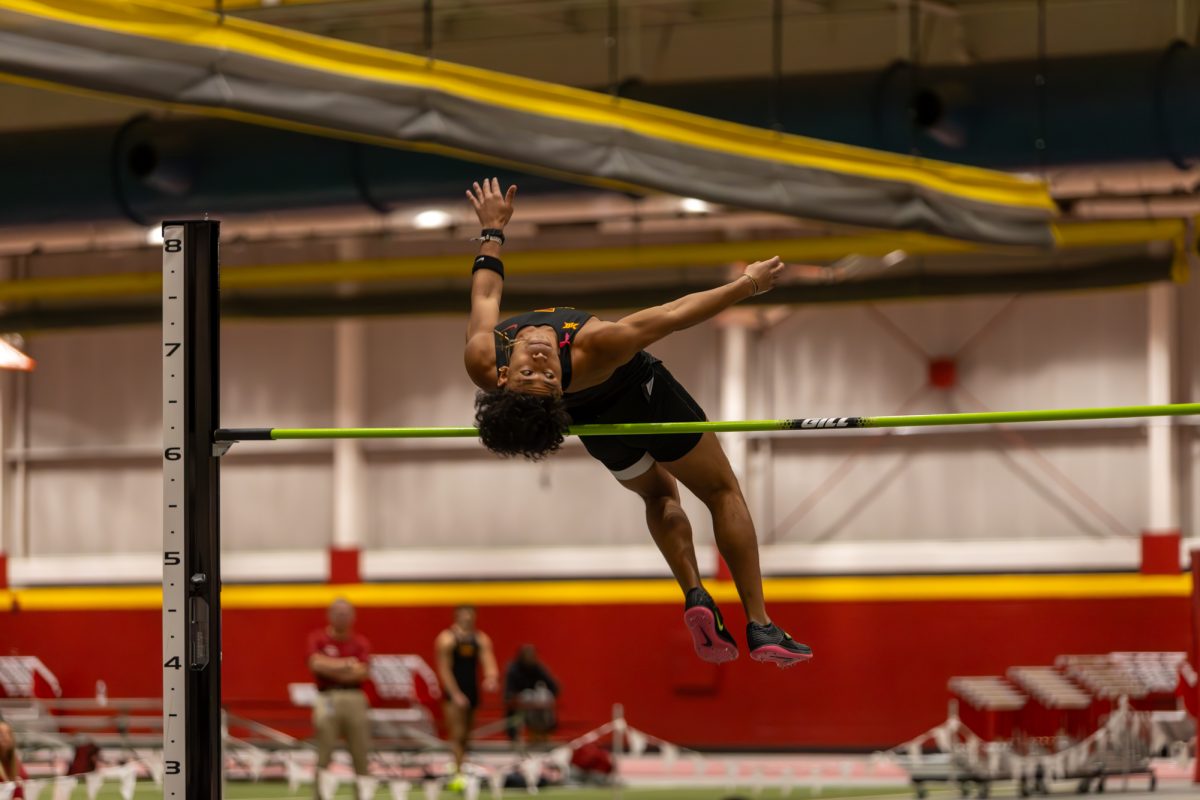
(173, 663)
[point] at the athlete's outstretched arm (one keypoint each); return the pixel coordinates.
(487, 657)
(494, 209)
(621, 339)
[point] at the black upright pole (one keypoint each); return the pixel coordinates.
(204, 536)
(192, 736)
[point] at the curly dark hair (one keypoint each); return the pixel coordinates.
(515, 423)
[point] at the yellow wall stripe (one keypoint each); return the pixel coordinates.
(196, 28)
(939, 588)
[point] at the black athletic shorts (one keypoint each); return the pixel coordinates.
(661, 398)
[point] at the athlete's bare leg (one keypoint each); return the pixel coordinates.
(669, 525)
(458, 732)
(705, 471)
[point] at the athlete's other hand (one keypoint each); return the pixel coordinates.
(459, 699)
(765, 274)
(493, 207)
(491, 685)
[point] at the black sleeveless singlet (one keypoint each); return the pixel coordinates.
(566, 323)
(465, 666)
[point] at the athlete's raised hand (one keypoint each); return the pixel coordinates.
(764, 274)
(493, 207)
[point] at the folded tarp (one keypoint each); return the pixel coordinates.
(187, 58)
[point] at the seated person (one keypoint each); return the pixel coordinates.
(530, 692)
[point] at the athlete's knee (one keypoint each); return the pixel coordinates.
(721, 494)
(654, 490)
(665, 507)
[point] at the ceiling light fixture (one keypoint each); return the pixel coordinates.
(432, 219)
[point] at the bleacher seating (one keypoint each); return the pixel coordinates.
(989, 705)
(1102, 676)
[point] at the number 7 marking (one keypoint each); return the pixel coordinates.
(173, 346)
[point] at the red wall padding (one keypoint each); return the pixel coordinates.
(879, 676)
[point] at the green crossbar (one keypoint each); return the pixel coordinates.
(742, 426)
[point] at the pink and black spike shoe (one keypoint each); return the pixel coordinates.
(713, 642)
(771, 644)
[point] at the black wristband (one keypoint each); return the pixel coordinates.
(488, 262)
(494, 233)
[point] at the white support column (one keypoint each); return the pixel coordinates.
(18, 518)
(1160, 540)
(349, 461)
(734, 341)
(735, 357)
(5, 527)
(14, 440)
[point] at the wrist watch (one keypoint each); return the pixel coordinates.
(490, 235)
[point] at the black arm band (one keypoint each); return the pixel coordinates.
(495, 233)
(488, 262)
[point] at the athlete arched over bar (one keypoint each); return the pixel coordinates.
(545, 369)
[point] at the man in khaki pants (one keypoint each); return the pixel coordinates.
(338, 659)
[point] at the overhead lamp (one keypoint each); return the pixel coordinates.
(694, 205)
(13, 358)
(432, 219)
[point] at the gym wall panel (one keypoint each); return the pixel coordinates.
(1046, 351)
(415, 373)
(85, 508)
(1063, 351)
(834, 361)
(459, 499)
(959, 487)
(276, 374)
(95, 389)
(276, 504)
